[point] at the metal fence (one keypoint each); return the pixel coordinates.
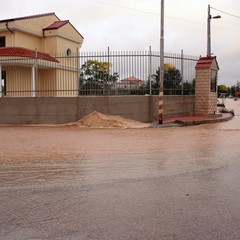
(99, 73)
(136, 72)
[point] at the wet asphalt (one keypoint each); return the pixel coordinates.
(177, 183)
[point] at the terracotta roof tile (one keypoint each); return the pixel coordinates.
(132, 78)
(56, 25)
(205, 62)
(23, 52)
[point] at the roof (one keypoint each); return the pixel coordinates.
(131, 79)
(206, 62)
(28, 17)
(24, 52)
(56, 25)
(59, 24)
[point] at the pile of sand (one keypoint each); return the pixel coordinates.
(99, 120)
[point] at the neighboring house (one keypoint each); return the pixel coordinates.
(36, 56)
(237, 94)
(129, 83)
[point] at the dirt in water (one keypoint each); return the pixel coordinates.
(100, 120)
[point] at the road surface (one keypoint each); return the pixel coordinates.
(179, 183)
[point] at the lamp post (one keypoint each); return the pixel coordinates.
(209, 30)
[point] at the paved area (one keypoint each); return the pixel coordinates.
(222, 115)
(195, 120)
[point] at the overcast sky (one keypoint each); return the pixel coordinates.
(135, 25)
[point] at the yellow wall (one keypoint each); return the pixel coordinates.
(47, 82)
(68, 30)
(59, 40)
(9, 38)
(19, 81)
(49, 45)
(35, 25)
(27, 41)
(67, 80)
(64, 44)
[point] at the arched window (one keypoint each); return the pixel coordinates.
(69, 52)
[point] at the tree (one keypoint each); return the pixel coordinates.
(95, 75)
(222, 89)
(172, 77)
(237, 89)
(233, 89)
(189, 88)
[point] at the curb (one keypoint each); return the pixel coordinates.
(204, 121)
(184, 123)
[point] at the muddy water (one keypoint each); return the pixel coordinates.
(74, 183)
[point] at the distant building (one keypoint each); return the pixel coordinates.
(129, 83)
(237, 94)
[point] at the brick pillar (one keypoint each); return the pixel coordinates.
(206, 86)
(1, 81)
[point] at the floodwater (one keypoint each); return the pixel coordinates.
(111, 184)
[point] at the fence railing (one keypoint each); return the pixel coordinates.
(98, 73)
(136, 72)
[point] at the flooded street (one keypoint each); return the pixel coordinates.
(63, 183)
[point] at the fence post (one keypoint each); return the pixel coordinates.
(150, 71)
(182, 71)
(34, 75)
(78, 71)
(108, 59)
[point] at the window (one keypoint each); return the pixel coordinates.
(69, 52)
(213, 85)
(2, 42)
(4, 83)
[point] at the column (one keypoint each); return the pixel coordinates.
(1, 94)
(33, 81)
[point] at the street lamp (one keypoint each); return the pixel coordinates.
(209, 30)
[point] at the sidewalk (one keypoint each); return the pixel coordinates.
(193, 120)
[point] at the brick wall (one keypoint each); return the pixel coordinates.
(205, 100)
(202, 90)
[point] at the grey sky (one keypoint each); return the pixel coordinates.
(135, 25)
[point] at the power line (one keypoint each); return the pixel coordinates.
(232, 15)
(142, 11)
(121, 6)
(152, 13)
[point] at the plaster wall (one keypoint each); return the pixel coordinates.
(57, 110)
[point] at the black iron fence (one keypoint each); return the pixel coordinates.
(98, 73)
(135, 73)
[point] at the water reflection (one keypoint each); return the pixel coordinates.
(117, 155)
(35, 173)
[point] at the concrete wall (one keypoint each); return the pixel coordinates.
(56, 110)
(174, 106)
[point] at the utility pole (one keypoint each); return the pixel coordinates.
(209, 30)
(160, 117)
